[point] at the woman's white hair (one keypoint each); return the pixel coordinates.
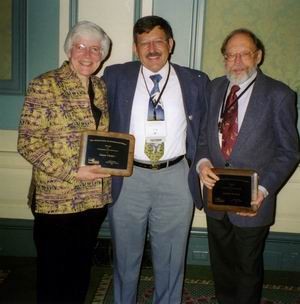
(90, 30)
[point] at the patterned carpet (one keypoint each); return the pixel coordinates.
(17, 285)
(195, 292)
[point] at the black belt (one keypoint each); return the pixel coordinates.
(161, 165)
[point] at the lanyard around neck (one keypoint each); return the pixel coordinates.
(155, 102)
(224, 109)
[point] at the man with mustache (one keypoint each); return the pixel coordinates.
(163, 105)
(265, 140)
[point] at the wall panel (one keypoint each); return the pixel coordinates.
(15, 175)
(116, 18)
(187, 20)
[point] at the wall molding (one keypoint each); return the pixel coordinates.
(15, 176)
(282, 248)
(282, 251)
(197, 30)
(73, 13)
(16, 84)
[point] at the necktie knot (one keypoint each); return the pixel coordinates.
(155, 78)
(234, 89)
(232, 96)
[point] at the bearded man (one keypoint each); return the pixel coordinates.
(255, 130)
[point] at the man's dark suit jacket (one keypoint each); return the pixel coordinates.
(121, 81)
(267, 141)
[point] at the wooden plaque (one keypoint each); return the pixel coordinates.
(112, 150)
(234, 191)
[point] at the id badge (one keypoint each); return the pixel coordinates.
(155, 131)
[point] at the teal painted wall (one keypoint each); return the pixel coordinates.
(281, 253)
(42, 54)
(275, 21)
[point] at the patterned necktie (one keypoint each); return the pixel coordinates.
(229, 127)
(153, 150)
(155, 111)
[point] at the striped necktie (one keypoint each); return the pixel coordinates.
(153, 150)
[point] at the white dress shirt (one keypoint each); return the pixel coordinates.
(243, 101)
(172, 104)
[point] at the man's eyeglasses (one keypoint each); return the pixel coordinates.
(246, 55)
(82, 48)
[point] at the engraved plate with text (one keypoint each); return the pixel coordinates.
(235, 190)
(112, 150)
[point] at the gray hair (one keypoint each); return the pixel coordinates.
(88, 29)
(257, 42)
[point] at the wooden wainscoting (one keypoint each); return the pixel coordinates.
(283, 244)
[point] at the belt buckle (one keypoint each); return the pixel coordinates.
(155, 166)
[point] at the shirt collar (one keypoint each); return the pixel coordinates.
(163, 71)
(247, 82)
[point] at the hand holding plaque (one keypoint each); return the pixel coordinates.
(234, 191)
(113, 151)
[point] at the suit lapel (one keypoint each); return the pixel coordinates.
(127, 88)
(215, 107)
(189, 95)
(255, 105)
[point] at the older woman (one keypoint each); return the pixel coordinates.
(69, 201)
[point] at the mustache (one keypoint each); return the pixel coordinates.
(242, 78)
(153, 54)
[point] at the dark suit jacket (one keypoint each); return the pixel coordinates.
(267, 141)
(121, 80)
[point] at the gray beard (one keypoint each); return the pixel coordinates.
(241, 79)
